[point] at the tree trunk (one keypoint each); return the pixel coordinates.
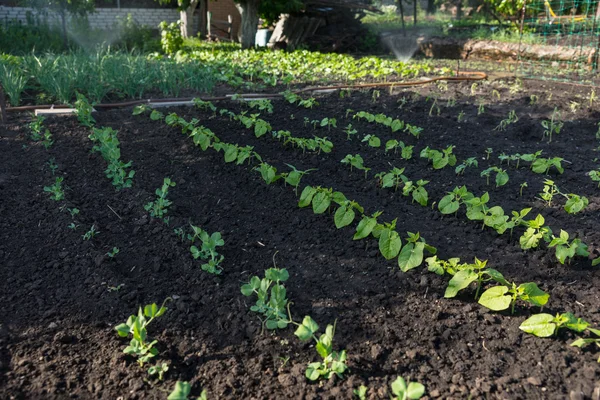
(400, 10)
(203, 19)
(187, 20)
(415, 12)
(249, 11)
(431, 7)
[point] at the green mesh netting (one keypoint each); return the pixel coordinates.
(560, 39)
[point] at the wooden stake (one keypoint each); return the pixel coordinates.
(3, 117)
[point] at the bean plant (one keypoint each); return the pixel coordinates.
(439, 159)
(403, 391)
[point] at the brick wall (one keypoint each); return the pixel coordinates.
(103, 18)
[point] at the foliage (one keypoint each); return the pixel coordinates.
(501, 175)
(170, 37)
(208, 250)
(439, 159)
(333, 362)
(271, 300)
(107, 144)
(159, 207)
(402, 391)
(56, 190)
(136, 326)
(546, 325)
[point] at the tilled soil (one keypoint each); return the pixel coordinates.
(62, 296)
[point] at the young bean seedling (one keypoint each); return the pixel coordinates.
(546, 325)
(91, 233)
(553, 126)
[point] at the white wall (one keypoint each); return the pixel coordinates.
(102, 18)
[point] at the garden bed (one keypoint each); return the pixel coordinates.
(62, 299)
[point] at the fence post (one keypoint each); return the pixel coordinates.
(3, 118)
(523, 11)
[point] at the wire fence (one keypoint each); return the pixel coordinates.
(559, 39)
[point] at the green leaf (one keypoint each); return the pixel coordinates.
(399, 387)
(415, 390)
(181, 391)
(389, 243)
(495, 298)
(321, 202)
(411, 256)
(307, 329)
(540, 325)
(531, 293)
(343, 216)
(306, 196)
(365, 227)
(313, 371)
(448, 204)
(247, 290)
(461, 280)
(123, 330)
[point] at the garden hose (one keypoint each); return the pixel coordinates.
(461, 76)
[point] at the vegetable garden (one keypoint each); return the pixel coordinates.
(439, 241)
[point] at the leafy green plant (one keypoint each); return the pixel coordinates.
(595, 176)
(461, 116)
(233, 152)
(84, 110)
(107, 144)
(91, 233)
(417, 191)
(411, 255)
(469, 162)
(510, 119)
(52, 165)
(355, 161)
(261, 105)
(498, 298)
(574, 204)
(333, 362)
(136, 326)
(208, 250)
(403, 391)
(156, 115)
(372, 140)
(328, 122)
(546, 325)
(159, 207)
(534, 233)
(158, 369)
(56, 190)
(543, 165)
(366, 225)
(450, 203)
(583, 342)
(182, 390)
(553, 126)
(501, 175)
(521, 187)
(394, 124)
(350, 131)
(567, 250)
(294, 177)
(203, 137)
(550, 190)
(271, 300)
(113, 252)
(170, 37)
(361, 392)
(345, 213)
(268, 173)
(393, 144)
(440, 159)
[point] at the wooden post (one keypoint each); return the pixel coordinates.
(3, 116)
(208, 18)
(594, 28)
(230, 27)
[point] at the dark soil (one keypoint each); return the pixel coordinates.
(56, 327)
